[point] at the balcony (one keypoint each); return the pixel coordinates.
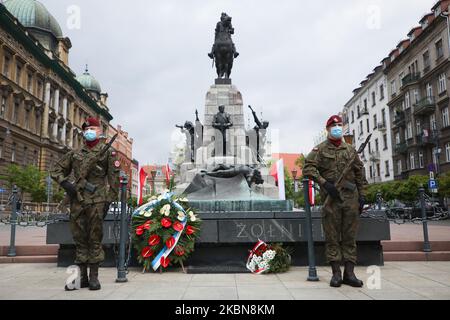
(429, 140)
(410, 78)
(401, 148)
(399, 119)
(425, 107)
(382, 126)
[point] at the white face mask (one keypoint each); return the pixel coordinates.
(90, 135)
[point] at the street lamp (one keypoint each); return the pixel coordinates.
(153, 173)
(294, 175)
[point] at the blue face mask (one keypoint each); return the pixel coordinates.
(90, 135)
(336, 133)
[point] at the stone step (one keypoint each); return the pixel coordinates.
(393, 246)
(23, 251)
(417, 256)
(29, 259)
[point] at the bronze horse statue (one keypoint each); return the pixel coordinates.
(224, 51)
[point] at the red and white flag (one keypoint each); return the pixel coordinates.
(142, 178)
(312, 193)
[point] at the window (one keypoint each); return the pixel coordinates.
(421, 164)
(37, 124)
(407, 101)
(412, 161)
(35, 158)
(442, 83)
(361, 129)
(433, 125)
(373, 99)
(13, 153)
(30, 83)
(393, 87)
(358, 111)
(385, 144)
(429, 89)
(397, 138)
(378, 170)
(409, 130)
(439, 49)
(368, 126)
(426, 61)
(370, 147)
(27, 119)
(18, 73)
(353, 116)
(1, 149)
(445, 120)
(447, 152)
(383, 116)
(376, 145)
(39, 90)
(399, 166)
(25, 155)
(3, 107)
(418, 127)
(416, 95)
(371, 172)
(375, 123)
(6, 65)
(15, 116)
(381, 92)
(386, 166)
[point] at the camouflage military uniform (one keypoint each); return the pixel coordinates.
(340, 220)
(87, 211)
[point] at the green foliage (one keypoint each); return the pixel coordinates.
(403, 190)
(28, 179)
(282, 261)
(132, 202)
(444, 185)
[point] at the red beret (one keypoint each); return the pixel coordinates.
(333, 120)
(91, 122)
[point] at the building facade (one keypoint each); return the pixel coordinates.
(159, 183)
(417, 73)
(134, 178)
(123, 145)
(42, 103)
(367, 113)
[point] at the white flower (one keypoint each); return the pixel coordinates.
(192, 216)
(165, 210)
(148, 214)
(257, 259)
(183, 200)
(141, 212)
(263, 264)
(181, 216)
(269, 255)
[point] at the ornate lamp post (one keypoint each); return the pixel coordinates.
(153, 173)
(294, 176)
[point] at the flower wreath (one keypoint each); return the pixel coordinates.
(268, 258)
(164, 231)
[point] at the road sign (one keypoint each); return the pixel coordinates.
(433, 184)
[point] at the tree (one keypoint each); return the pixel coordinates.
(28, 180)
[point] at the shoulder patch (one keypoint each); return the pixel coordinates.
(117, 164)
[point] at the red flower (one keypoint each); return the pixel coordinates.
(154, 240)
(190, 230)
(177, 226)
(139, 230)
(146, 225)
(170, 242)
(147, 252)
(179, 251)
(164, 262)
(166, 223)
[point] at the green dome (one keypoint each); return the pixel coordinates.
(33, 14)
(89, 82)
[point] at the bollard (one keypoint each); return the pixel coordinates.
(379, 200)
(121, 272)
(426, 241)
(312, 272)
(12, 244)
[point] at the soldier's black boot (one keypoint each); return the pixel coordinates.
(94, 284)
(336, 279)
(350, 277)
(84, 280)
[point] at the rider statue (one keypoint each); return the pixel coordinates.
(223, 26)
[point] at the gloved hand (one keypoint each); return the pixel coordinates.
(331, 190)
(362, 202)
(69, 188)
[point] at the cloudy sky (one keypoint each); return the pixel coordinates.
(300, 60)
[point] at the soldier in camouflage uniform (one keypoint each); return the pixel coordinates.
(89, 206)
(340, 218)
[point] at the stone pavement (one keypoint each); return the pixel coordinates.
(399, 280)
